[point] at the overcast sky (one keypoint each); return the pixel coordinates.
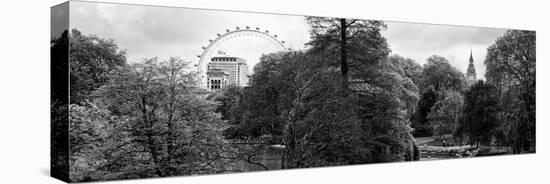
(148, 31)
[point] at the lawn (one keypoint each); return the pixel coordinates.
(434, 140)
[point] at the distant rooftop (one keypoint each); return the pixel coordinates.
(229, 59)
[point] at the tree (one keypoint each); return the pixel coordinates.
(358, 50)
(59, 106)
(479, 118)
(91, 128)
(347, 42)
(229, 98)
(511, 67)
(411, 73)
(446, 112)
(420, 118)
(91, 59)
(340, 102)
(407, 67)
(292, 96)
(160, 126)
(59, 50)
(438, 74)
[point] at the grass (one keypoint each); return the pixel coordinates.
(434, 145)
(434, 140)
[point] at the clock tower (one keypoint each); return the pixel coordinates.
(471, 72)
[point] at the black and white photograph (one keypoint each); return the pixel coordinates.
(140, 91)
(150, 91)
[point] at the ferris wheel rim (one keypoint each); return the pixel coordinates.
(208, 48)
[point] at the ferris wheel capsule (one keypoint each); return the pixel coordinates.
(218, 34)
(227, 30)
(266, 31)
(275, 36)
(247, 27)
(237, 27)
(257, 28)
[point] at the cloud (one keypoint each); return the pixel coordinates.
(420, 41)
(150, 31)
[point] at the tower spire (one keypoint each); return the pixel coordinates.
(471, 58)
(471, 72)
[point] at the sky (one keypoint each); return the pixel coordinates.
(163, 32)
(59, 19)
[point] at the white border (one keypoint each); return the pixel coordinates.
(24, 96)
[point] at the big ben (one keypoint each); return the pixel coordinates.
(471, 72)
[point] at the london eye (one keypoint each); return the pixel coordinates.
(246, 43)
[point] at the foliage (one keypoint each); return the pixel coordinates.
(162, 127)
(479, 118)
(381, 96)
(293, 97)
(420, 118)
(348, 43)
(59, 50)
(446, 112)
(228, 98)
(90, 129)
(411, 73)
(407, 67)
(438, 74)
(341, 101)
(511, 67)
(91, 59)
(59, 106)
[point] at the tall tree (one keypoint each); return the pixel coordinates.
(59, 106)
(479, 119)
(411, 73)
(446, 112)
(357, 49)
(438, 75)
(347, 42)
(420, 122)
(295, 94)
(91, 129)
(511, 67)
(162, 127)
(91, 59)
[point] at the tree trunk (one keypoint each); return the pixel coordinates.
(343, 54)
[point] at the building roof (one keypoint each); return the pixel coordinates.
(229, 59)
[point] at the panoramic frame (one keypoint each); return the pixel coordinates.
(148, 91)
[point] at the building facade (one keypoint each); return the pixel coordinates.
(471, 72)
(235, 68)
(217, 79)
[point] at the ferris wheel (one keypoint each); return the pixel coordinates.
(246, 43)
